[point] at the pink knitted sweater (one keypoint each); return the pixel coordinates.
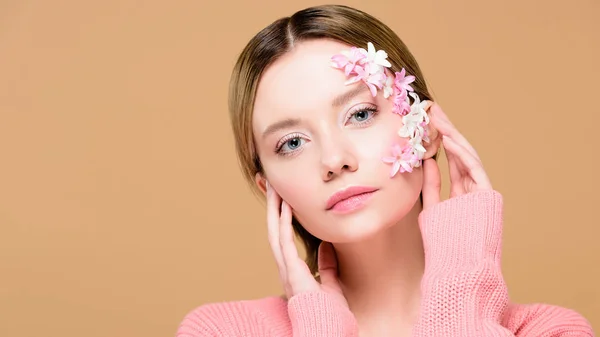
(463, 291)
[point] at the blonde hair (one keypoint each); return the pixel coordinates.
(341, 23)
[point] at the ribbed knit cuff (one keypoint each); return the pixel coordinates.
(318, 314)
(461, 232)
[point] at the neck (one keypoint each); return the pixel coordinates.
(381, 276)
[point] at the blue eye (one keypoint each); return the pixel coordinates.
(363, 115)
(290, 144)
(293, 143)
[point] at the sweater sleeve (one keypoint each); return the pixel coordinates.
(463, 291)
(543, 320)
(227, 319)
(316, 314)
(309, 314)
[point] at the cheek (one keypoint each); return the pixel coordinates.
(390, 125)
(293, 191)
(377, 141)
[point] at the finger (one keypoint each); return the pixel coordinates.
(469, 163)
(286, 233)
(273, 206)
(441, 122)
(327, 262)
(432, 183)
(455, 171)
(296, 268)
(445, 127)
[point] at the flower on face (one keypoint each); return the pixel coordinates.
(415, 121)
(402, 159)
(403, 82)
(417, 144)
(370, 66)
(359, 74)
(366, 65)
(378, 58)
(418, 107)
(348, 60)
(402, 87)
(375, 81)
(401, 102)
(388, 88)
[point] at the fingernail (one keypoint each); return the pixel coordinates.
(268, 186)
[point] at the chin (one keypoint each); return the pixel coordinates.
(366, 225)
(352, 227)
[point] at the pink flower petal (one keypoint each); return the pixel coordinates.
(373, 89)
(402, 82)
(348, 69)
(360, 70)
(395, 168)
(339, 60)
(405, 167)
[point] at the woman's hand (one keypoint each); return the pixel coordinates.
(466, 171)
(293, 271)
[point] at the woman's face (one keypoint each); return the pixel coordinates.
(316, 136)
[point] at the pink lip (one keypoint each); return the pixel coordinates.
(350, 198)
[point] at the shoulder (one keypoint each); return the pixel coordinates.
(539, 319)
(258, 317)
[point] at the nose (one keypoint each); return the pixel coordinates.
(336, 158)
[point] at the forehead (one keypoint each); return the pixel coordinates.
(302, 79)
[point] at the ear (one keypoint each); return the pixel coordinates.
(261, 182)
(435, 138)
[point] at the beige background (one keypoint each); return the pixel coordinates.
(121, 204)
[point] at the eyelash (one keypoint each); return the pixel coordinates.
(284, 141)
(372, 109)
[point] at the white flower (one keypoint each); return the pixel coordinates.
(388, 88)
(378, 57)
(408, 129)
(417, 144)
(418, 107)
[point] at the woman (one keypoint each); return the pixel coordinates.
(335, 125)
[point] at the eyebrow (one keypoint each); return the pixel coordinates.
(283, 124)
(348, 95)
